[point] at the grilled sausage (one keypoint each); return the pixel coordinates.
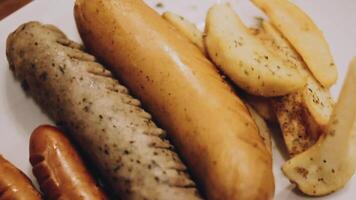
(58, 168)
(207, 122)
(14, 185)
(129, 150)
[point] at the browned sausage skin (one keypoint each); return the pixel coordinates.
(58, 168)
(14, 185)
(208, 124)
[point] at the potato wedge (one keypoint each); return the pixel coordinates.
(318, 101)
(304, 35)
(291, 116)
(329, 164)
(303, 114)
(244, 58)
(186, 28)
(277, 43)
(316, 98)
(262, 127)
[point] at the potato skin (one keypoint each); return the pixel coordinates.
(59, 169)
(14, 184)
(293, 120)
(327, 166)
(305, 37)
(244, 58)
(209, 125)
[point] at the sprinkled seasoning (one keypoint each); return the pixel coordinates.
(159, 5)
(80, 96)
(302, 171)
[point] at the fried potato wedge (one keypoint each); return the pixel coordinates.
(186, 28)
(302, 114)
(277, 43)
(262, 127)
(316, 98)
(244, 58)
(291, 116)
(318, 101)
(329, 164)
(305, 37)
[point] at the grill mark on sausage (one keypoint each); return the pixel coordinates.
(119, 162)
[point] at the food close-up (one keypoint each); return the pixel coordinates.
(178, 100)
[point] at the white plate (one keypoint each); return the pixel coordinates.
(19, 115)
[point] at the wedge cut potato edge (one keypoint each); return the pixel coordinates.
(291, 117)
(186, 28)
(303, 114)
(329, 164)
(318, 101)
(244, 58)
(316, 98)
(304, 35)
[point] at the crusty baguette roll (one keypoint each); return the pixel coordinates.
(59, 170)
(14, 184)
(120, 138)
(209, 124)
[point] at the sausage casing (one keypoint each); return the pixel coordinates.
(14, 185)
(208, 123)
(118, 136)
(58, 168)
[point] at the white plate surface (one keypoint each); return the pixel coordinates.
(19, 115)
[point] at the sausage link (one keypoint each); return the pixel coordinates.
(15, 185)
(58, 168)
